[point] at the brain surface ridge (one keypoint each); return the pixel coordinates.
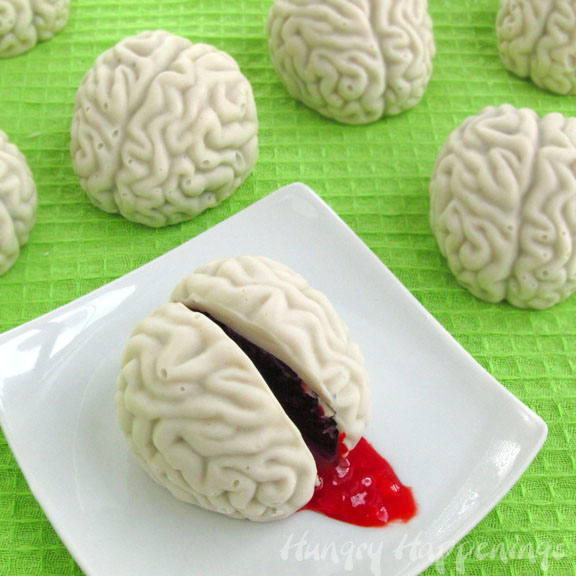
(18, 202)
(24, 23)
(537, 40)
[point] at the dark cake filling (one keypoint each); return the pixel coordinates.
(302, 406)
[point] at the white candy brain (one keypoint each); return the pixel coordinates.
(537, 40)
(353, 60)
(503, 206)
(18, 202)
(276, 309)
(163, 129)
(202, 419)
(205, 425)
(24, 23)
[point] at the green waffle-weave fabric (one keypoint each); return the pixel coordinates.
(375, 177)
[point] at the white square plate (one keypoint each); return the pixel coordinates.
(451, 432)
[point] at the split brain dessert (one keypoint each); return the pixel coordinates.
(537, 40)
(18, 202)
(24, 23)
(200, 395)
(353, 61)
(163, 129)
(503, 206)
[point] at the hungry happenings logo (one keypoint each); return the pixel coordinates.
(348, 555)
(538, 554)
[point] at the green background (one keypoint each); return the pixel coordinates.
(375, 177)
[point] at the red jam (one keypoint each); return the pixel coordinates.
(361, 489)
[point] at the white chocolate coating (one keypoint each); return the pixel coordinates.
(503, 206)
(24, 23)
(276, 309)
(163, 129)
(353, 60)
(204, 424)
(537, 40)
(18, 202)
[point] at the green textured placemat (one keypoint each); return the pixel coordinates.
(375, 177)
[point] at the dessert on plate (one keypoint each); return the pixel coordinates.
(245, 392)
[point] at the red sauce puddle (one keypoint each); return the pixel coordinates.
(361, 489)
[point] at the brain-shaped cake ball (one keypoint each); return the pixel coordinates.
(353, 60)
(24, 23)
(18, 201)
(231, 394)
(537, 40)
(163, 129)
(503, 206)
